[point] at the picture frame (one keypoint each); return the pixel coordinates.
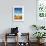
(18, 13)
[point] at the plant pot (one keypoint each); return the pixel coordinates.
(38, 40)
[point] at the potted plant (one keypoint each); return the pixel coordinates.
(35, 26)
(38, 27)
(42, 27)
(39, 35)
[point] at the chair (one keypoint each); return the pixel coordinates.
(26, 37)
(14, 32)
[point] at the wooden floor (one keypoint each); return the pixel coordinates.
(13, 44)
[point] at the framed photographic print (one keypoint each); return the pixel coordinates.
(18, 13)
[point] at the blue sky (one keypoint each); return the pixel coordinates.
(18, 10)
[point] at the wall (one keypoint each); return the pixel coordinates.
(6, 15)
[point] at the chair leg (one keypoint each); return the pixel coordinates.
(17, 41)
(5, 40)
(5, 43)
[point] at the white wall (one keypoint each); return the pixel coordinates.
(6, 15)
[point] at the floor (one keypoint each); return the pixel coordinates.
(13, 44)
